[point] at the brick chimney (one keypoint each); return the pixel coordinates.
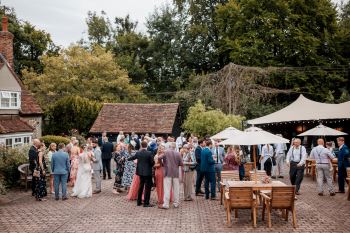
(6, 42)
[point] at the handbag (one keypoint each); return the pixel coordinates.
(36, 173)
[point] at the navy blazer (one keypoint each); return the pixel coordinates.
(107, 149)
(198, 153)
(33, 157)
(207, 161)
(343, 157)
(60, 163)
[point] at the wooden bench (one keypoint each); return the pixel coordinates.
(280, 198)
(260, 174)
(25, 175)
(240, 198)
(226, 176)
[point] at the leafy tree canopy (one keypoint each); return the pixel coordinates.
(29, 42)
(92, 74)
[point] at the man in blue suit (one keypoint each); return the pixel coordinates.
(218, 156)
(343, 163)
(60, 167)
(200, 175)
(208, 168)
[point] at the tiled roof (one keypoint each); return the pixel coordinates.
(138, 118)
(28, 103)
(13, 124)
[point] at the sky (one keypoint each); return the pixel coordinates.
(65, 19)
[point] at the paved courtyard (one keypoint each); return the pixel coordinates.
(107, 212)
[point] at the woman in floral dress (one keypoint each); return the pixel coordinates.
(74, 158)
(40, 184)
(119, 158)
(129, 168)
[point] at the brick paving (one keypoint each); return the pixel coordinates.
(107, 212)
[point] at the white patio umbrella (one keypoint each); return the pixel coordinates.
(322, 130)
(254, 136)
(226, 133)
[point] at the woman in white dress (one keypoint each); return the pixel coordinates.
(83, 184)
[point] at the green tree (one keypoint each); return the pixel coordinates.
(343, 34)
(200, 34)
(72, 112)
(130, 49)
(203, 122)
(278, 33)
(29, 42)
(166, 65)
(87, 73)
(100, 29)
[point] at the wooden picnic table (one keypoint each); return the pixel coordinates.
(257, 186)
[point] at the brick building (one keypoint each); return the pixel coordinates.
(20, 115)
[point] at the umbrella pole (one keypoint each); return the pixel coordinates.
(254, 157)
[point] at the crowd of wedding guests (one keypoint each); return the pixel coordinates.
(146, 163)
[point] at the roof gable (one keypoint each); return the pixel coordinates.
(7, 81)
(28, 104)
(138, 118)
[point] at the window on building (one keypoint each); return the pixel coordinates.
(8, 142)
(14, 100)
(26, 140)
(10, 100)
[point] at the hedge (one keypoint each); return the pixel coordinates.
(48, 139)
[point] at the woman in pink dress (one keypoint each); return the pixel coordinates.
(231, 162)
(74, 158)
(134, 188)
(159, 176)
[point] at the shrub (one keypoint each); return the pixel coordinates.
(72, 112)
(203, 122)
(10, 159)
(56, 139)
(3, 190)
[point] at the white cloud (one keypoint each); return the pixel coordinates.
(65, 19)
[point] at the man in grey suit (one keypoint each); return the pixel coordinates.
(97, 166)
(60, 168)
(218, 156)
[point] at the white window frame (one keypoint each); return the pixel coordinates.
(8, 95)
(13, 137)
(19, 142)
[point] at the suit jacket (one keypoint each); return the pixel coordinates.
(97, 164)
(343, 157)
(198, 153)
(33, 156)
(145, 162)
(207, 161)
(221, 153)
(107, 149)
(60, 163)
